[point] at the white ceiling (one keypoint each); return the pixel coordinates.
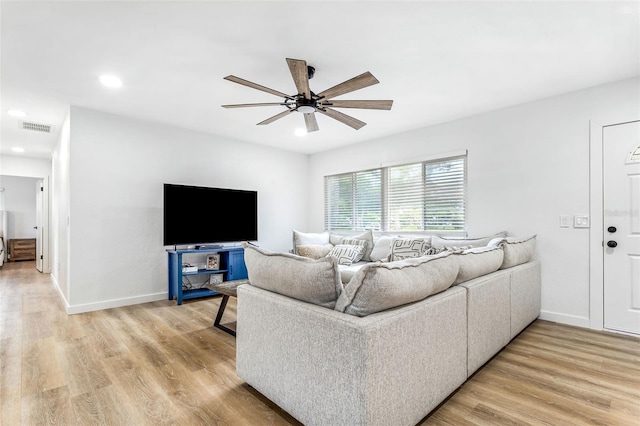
(438, 61)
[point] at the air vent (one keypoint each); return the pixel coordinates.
(36, 127)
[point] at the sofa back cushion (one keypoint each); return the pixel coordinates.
(309, 280)
(380, 286)
(478, 261)
(517, 251)
(440, 242)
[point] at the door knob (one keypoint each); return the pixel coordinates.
(612, 244)
(612, 229)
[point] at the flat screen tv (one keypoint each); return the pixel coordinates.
(197, 215)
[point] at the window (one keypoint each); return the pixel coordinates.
(425, 196)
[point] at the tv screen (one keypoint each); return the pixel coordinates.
(197, 215)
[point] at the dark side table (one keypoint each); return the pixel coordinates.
(227, 289)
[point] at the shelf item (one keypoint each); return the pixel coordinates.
(230, 263)
(22, 249)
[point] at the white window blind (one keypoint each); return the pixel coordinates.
(354, 201)
(430, 195)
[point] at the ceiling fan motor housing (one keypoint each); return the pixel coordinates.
(306, 106)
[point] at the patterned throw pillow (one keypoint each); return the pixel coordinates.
(454, 249)
(405, 248)
(347, 254)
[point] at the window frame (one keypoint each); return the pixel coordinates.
(385, 224)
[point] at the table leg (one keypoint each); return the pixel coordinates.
(216, 323)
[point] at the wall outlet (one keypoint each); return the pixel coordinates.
(581, 221)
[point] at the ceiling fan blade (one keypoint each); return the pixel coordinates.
(311, 122)
(343, 118)
(256, 86)
(300, 76)
(359, 82)
(359, 104)
(276, 117)
(253, 105)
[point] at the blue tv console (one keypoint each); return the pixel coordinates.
(231, 265)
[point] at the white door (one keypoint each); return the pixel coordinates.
(621, 168)
(39, 226)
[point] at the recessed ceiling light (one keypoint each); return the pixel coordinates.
(300, 132)
(110, 81)
(16, 113)
(17, 149)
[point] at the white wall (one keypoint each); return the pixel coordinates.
(527, 165)
(60, 189)
(117, 170)
(13, 165)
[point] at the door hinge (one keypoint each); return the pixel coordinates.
(41, 257)
(41, 189)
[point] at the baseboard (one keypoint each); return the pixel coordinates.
(115, 303)
(60, 294)
(565, 319)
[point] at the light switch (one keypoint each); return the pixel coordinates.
(581, 221)
(565, 221)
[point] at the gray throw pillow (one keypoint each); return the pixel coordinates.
(309, 280)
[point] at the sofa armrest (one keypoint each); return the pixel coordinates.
(326, 367)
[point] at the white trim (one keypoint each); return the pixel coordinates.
(565, 319)
(63, 299)
(596, 207)
(432, 157)
(116, 303)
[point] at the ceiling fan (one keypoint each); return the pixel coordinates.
(308, 103)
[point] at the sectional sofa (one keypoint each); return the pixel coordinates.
(393, 343)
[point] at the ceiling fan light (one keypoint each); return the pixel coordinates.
(306, 109)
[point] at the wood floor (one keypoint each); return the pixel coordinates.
(159, 363)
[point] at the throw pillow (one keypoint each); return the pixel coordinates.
(309, 280)
(381, 249)
(405, 248)
(517, 251)
(346, 254)
(366, 236)
(380, 286)
(439, 242)
(314, 251)
(478, 261)
(308, 238)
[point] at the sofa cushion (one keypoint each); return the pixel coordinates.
(517, 251)
(309, 280)
(440, 242)
(309, 238)
(405, 248)
(380, 286)
(314, 251)
(367, 236)
(478, 261)
(346, 254)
